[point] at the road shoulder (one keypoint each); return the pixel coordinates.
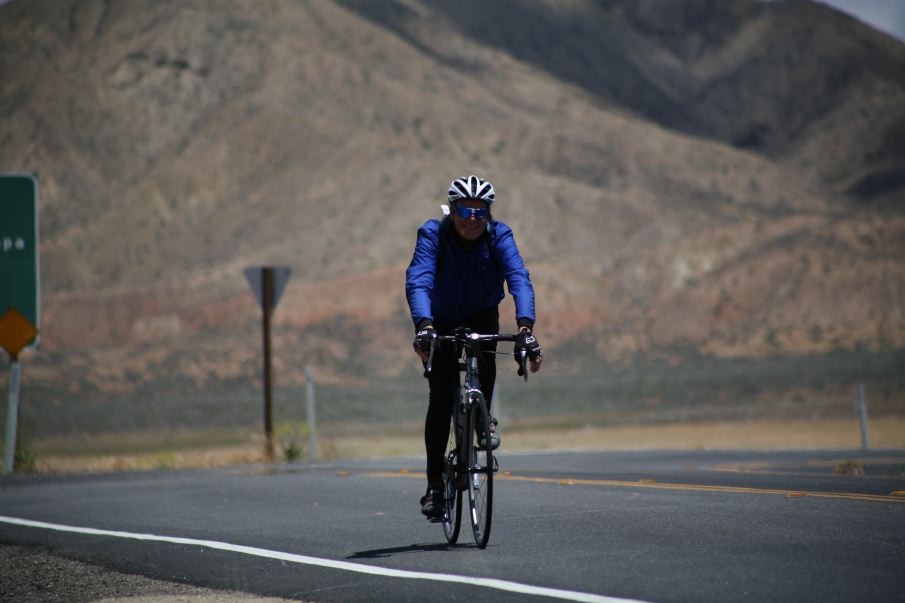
(33, 575)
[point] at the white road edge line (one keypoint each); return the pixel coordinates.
(506, 585)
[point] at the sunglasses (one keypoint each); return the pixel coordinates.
(479, 213)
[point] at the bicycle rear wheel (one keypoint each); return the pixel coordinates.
(480, 471)
(452, 495)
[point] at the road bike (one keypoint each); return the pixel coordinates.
(469, 463)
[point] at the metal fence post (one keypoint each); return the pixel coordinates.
(12, 416)
(312, 420)
(862, 411)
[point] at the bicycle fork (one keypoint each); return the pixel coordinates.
(475, 397)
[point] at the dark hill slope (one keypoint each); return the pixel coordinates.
(777, 77)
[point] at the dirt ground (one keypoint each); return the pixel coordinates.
(839, 434)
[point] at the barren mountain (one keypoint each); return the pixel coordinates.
(715, 178)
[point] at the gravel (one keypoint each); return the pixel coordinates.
(33, 575)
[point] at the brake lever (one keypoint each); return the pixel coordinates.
(430, 358)
(522, 362)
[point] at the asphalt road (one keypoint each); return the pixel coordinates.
(651, 526)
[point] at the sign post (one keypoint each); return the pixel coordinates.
(268, 283)
(12, 417)
(15, 333)
(19, 287)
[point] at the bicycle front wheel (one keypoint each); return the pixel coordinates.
(480, 471)
(452, 495)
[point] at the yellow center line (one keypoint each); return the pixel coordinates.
(646, 483)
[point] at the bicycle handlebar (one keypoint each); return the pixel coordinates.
(466, 336)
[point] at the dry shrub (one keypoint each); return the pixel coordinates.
(850, 467)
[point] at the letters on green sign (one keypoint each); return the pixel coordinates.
(10, 243)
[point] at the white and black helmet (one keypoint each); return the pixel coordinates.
(471, 187)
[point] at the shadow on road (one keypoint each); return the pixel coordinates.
(412, 548)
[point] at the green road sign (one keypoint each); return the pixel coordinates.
(19, 246)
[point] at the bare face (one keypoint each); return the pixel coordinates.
(470, 228)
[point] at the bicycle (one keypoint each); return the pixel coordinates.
(469, 461)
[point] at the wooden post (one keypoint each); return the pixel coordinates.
(267, 308)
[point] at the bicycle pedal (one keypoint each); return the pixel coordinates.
(435, 519)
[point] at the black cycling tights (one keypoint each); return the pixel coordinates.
(443, 381)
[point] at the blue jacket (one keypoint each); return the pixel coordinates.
(446, 282)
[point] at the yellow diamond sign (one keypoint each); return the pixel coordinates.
(16, 331)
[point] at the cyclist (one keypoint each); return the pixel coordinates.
(455, 279)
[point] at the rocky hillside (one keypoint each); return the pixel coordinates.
(783, 78)
(715, 178)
